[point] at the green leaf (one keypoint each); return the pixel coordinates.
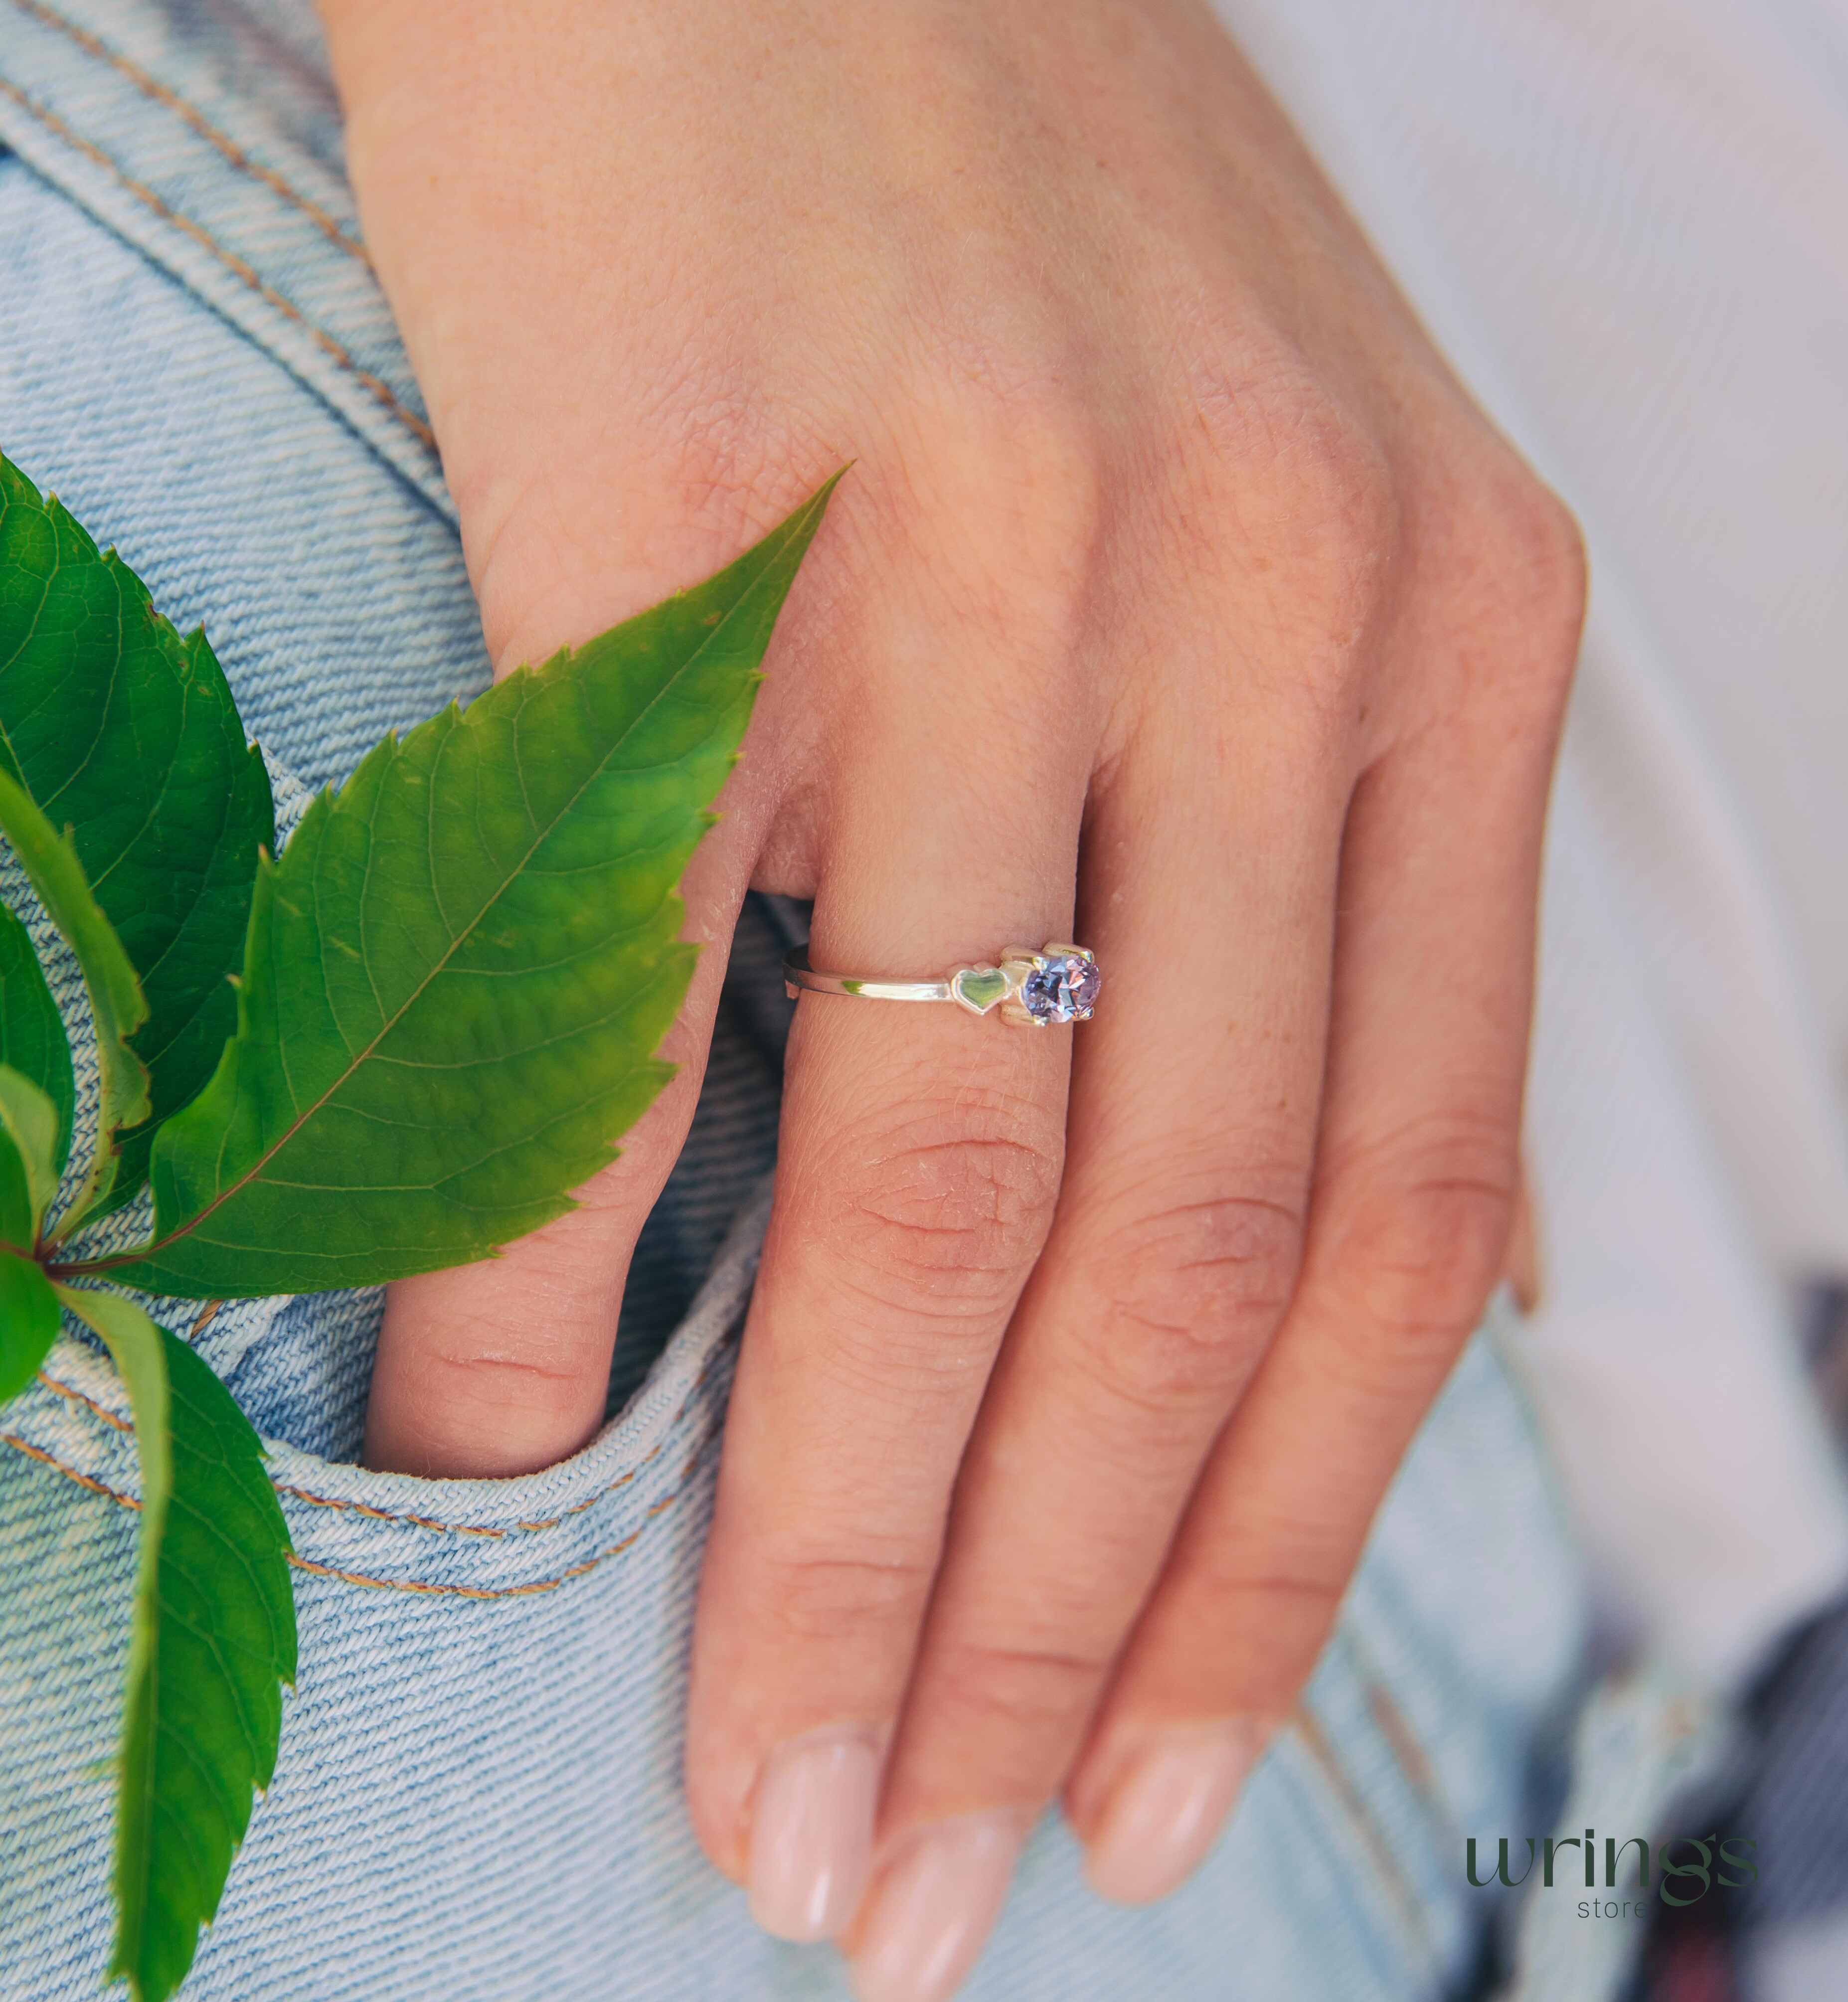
(459, 971)
(28, 1322)
(127, 733)
(18, 1226)
(28, 1124)
(32, 1033)
(51, 863)
(213, 1640)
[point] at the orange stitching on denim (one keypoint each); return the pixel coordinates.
(1403, 1742)
(69, 1472)
(477, 1529)
(381, 390)
(480, 1530)
(387, 1515)
(190, 115)
(1402, 1739)
(1321, 1747)
(527, 1591)
(424, 1587)
(70, 1392)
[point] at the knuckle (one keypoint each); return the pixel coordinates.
(1422, 1238)
(1273, 412)
(1292, 1606)
(1285, 1619)
(1338, 476)
(1028, 1688)
(1526, 576)
(705, 441)
(1293, 1562)
(1544, 552)
(822, 1596)
(1308, 482)
(1191, 1293)
(482, 1410)
(1261, 1609)
(492, 1380)
(1004, 363)
(1005, 474)
(946, 1211)
(1012, 408)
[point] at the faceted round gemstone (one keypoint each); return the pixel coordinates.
(1064, 989)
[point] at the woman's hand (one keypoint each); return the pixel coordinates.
(1178, 602)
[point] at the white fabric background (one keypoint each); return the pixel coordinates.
(1627, 221)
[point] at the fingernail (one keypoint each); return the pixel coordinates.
(934, 1908)
(811, 1834)
(1164, 1813)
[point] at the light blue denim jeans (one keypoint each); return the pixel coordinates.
(478, 1795)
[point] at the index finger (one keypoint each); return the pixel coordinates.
(502, 1367)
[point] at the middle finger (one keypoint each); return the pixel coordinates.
(1172, 1259)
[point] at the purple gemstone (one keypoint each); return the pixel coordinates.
(1065, 990)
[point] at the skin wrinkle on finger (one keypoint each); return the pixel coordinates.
(939, 1205)
(1174, 1338)
(1415, 1251)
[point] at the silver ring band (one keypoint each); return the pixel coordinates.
(1030, 988)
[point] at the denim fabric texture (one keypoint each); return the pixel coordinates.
(479, 1790)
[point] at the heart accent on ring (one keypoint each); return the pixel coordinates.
(980, 988)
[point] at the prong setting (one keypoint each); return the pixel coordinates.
(1058, 985)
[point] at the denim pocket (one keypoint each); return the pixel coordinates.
(478, 1793)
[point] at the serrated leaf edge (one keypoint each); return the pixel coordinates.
(796, 529)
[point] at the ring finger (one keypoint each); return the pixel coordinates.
(919, 1160)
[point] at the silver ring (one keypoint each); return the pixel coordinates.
(1032, 989)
